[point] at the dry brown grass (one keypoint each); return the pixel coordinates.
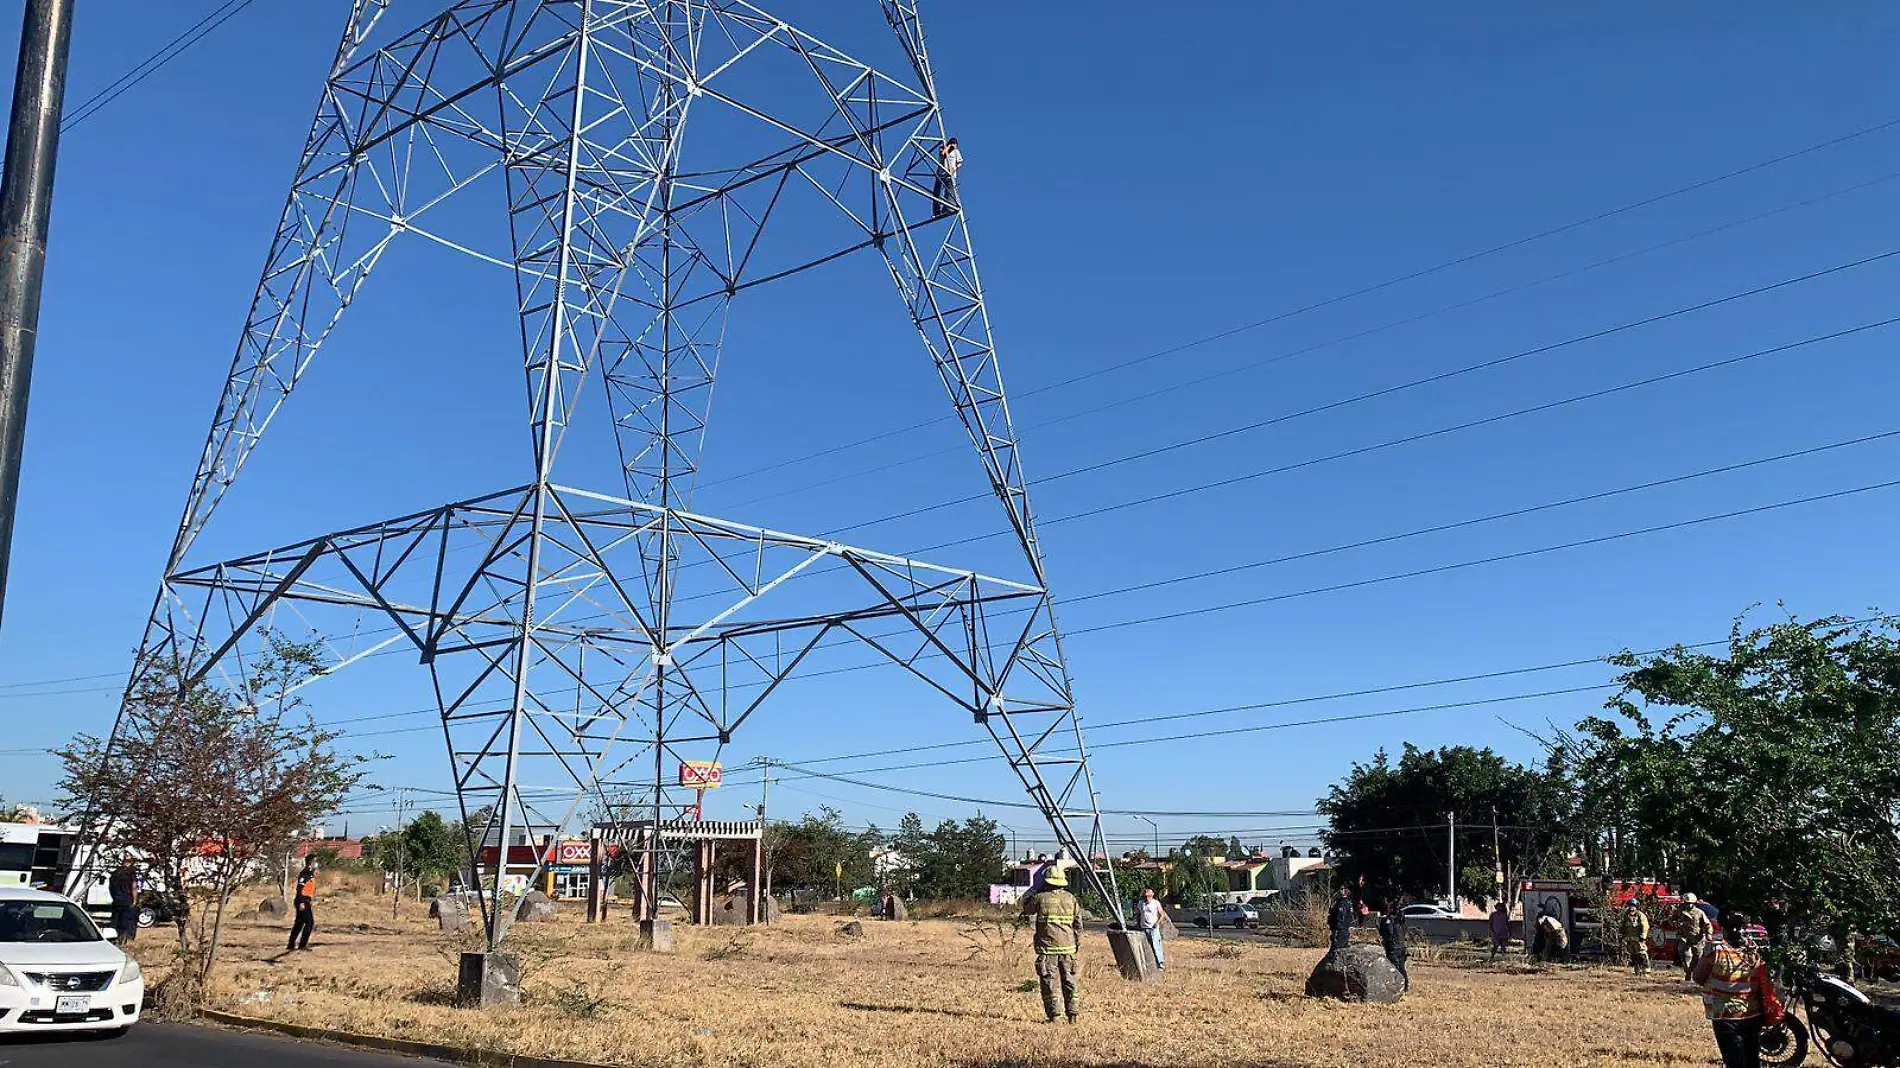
(914, 995)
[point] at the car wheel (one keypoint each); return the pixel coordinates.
(148, 916)
(1200, 923)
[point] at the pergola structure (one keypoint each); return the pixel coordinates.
(634, 838)
(634, 167)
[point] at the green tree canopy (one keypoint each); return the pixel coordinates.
(1388, 822)
(1769, 773)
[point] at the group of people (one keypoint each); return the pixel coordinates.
(1724, 962)
(124, 890)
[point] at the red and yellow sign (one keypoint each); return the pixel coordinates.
(701, 774)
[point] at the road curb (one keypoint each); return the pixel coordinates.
(481, 1058)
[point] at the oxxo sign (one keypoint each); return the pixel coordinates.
(701, 774)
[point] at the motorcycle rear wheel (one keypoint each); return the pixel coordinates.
(1785, 1046)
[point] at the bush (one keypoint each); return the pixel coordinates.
(1299, 918)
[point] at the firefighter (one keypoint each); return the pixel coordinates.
(1693, 935)
(1058, 919)
(1730, 976)
(1635, 931)
(306, 920)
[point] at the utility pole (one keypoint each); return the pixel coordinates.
(26, 206)
(765, 787)
(1497, 856)
(1451, 860)
(402, 849)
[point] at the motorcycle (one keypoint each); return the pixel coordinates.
(1849, 1028)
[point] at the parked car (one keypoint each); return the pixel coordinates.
(1230, 915)
(59, 971)
(1425, 911)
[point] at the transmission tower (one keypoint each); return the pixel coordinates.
(630, 163)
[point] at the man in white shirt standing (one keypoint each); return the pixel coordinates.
(949, 162)
(1150, 923)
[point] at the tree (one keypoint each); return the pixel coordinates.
(961, 860)
(1766, 774)
(1388, 822)
(202, 784)
(428, 847)
(818, 851)
(1205, 845)
(1194, 880)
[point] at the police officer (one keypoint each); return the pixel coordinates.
(304, 904)
(1341, 919)
(1058, 919)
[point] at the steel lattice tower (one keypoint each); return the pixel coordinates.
(631, 158)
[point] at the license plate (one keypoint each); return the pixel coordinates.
(72, 1005)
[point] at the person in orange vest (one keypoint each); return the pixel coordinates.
(1729, 975)
(306, 920)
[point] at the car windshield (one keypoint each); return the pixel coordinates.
(45, 921)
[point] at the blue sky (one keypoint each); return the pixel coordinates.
(1134, 183)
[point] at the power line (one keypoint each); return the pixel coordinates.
(1352, 294)
(1421, 572)
(1147, 395)
(151, 64)
(1415, 383)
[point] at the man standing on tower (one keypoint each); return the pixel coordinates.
(1058, 919)
(949, 162)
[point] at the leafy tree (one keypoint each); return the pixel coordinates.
(428, 847)
(1388, 821)
(1234, 849)
(1770, 773)
(812, 852)
(205, 784)
(1194, 878)
(1205, 845)
(961, 860)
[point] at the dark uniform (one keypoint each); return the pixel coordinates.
(304, 905)
(1392, 936)
(1058, 919)
(1341, 920)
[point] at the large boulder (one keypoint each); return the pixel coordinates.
(730, 911)
(273, 908)
(1356, 973)
(452, 913)
(894, 908)
(535, 907)
(851, 929)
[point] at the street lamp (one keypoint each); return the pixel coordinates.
(1157, 853)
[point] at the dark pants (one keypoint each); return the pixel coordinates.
(1342, 937)
(301, 927)
(1740, 1042)
(1398, 961)
(945, 192)
(125, 917)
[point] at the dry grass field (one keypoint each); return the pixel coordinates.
(931, 993)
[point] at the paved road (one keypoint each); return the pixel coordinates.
(150, 1045)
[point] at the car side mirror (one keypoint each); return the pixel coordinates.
(110, 934)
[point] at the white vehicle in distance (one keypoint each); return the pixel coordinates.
(59, 971)
(1424, 911)
(1230, 915)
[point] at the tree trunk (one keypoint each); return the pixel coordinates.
(211, 945)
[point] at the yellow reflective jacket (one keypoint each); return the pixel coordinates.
(1058, 921)
(1729, 992)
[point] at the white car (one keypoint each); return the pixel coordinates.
(59, 971)
(1423, 911)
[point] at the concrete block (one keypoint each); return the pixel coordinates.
(1134, 956)
(656, 936)
(488, 979)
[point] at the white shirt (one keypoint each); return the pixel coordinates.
(951, 158)
(1150, 914)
